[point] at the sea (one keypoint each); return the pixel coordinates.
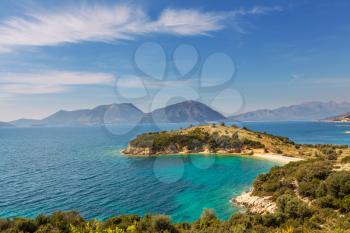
(43, 170)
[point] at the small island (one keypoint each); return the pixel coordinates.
(229, 140)
(340, 118)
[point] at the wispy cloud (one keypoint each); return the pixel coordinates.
(110, 23)
(188, 22)
(50, 82)
(260, 10)
(102, 23)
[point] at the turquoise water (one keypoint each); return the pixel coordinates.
(48, 169)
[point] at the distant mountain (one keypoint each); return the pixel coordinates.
(107, 114)
(309, 111)
(6, 125)
(340, 118)
(187, 111)
(26, 122)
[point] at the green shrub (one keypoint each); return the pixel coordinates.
(327, 202)
(207, 218)
(345, 204)
(338, 184)
(25, 225)
(161, 223)
(308, 189)
(291, 207)
(313, 170)
(345, 159)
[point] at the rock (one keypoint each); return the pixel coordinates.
(255, 204)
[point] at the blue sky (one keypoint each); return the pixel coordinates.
(68, 54)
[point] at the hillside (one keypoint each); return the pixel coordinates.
(340, 118)
(310, 111)
(187, 111)
(223, 139)
(108, 114)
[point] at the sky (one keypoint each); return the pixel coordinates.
(235, 56)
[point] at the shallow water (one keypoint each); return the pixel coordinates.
(48, 169)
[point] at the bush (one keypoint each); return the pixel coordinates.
(345, 204)
(314, 170)
(161, 223)
(279, 151)
(327, 202)
(308, 189)
(338, 184)
(25, 225)
(345, 159)
(122, 221)
(207, 218)
(291, 207)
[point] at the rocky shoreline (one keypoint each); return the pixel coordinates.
(279, 158)
(255, 204)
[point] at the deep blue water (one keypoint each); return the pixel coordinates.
(48, 169)
(307, 132)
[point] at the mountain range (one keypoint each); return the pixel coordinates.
(187, 111)
(6, 125)
(309, 111)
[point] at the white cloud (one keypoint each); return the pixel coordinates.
(101, 23)
(110, 23)
(262, 10)
(49, 82)
(188, 22)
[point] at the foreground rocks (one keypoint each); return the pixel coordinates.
(255, 204)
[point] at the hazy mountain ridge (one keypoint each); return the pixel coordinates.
(309, 111)
(187, 111)
(6, 125)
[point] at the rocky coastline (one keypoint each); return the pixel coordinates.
(255, 204)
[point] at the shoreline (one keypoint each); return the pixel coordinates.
(254, 204)
(276, 158)
(279, 158)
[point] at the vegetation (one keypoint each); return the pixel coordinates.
(346, 159)
(228, 139)
(195, 140)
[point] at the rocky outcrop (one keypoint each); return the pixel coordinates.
(137, 151)
(255, 204)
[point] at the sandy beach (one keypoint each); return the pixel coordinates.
(276, 157)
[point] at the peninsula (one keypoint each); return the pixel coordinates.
(226, 140)
(341, 118)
